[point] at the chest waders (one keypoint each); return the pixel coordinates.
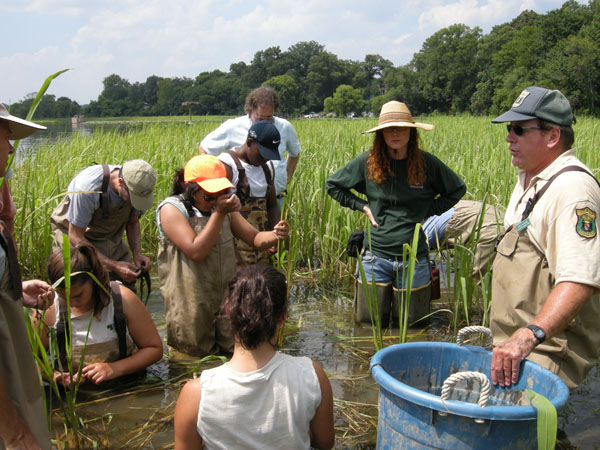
(105, 230)
(193, 292)
(254, 210)
(17, 366)
(521, 283)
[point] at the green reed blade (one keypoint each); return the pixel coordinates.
(546, 420)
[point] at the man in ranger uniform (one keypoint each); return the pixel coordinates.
(546, 274)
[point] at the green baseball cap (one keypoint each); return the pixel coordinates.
(140, 179)
(539, 103)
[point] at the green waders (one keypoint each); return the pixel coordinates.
(383, 293)
(419, 307)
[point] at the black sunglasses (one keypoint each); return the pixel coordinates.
(519, 130)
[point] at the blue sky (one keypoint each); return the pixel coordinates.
(175, 38)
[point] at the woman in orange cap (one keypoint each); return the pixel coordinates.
(403, 185)
(196, 256)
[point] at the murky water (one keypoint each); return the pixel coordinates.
(138, 413)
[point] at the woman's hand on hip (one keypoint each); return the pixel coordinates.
(369, 214)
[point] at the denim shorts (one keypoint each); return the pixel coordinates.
(387, 271)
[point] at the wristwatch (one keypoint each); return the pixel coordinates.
(538, 333)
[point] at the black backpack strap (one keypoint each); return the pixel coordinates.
(243, 187)
(14, 270)
(533, 200)
(104, 195)
(119, 318)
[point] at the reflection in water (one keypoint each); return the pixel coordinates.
(138, 412)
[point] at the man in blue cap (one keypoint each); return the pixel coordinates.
(546, 274)
(250, 169)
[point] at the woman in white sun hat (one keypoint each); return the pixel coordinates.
(403, 185)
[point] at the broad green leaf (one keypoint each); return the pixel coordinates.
(546, 420)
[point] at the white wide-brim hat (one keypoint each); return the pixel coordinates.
(19, 128)
(397, 114)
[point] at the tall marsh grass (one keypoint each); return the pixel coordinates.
(472, 146)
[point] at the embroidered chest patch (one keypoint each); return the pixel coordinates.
(586, 222)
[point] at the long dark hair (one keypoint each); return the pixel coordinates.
(378, 162)
(83, 259)
(255, 303)
(186, 191)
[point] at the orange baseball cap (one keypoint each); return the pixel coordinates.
(208, 172)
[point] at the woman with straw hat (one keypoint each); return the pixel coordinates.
(196, 255)
(403, 185)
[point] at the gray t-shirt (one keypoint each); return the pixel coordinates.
(83, 206)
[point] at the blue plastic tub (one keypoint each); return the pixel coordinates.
(411, 413)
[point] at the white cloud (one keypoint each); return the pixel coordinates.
(139, 38)
(483, 14)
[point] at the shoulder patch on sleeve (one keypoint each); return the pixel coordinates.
(586, 223)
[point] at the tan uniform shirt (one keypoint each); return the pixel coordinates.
(554, 220)
(557, 242)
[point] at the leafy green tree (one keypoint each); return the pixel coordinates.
(346, 99)
(561, 23)
(373, 69)
(288, 91)
(573, 66)
(299, 56)
(170, 95)
(325, 73)
(447, 68)
(401, 84)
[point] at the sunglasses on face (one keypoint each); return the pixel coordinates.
(519, 130)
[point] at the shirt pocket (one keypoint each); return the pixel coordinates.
(508, 244)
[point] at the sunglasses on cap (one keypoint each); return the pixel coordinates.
(519, 130)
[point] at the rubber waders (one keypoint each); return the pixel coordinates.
(420, 304)
(384, 302)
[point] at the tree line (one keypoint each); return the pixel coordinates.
(458, 70)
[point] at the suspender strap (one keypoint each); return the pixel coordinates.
(243, 187)
(268, 175)
(104, 189)
(14, 270)
(61, 329)
(533, 200)
(119, 318)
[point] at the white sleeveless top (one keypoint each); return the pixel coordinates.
(102, 341)
(270, 408)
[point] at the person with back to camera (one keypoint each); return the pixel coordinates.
(122, 337)
(260, 399)
(403, 185)
(196, 255)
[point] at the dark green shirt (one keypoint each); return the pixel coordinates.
(396, 206)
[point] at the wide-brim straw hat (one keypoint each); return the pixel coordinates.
(397, 114)
(19, 128)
